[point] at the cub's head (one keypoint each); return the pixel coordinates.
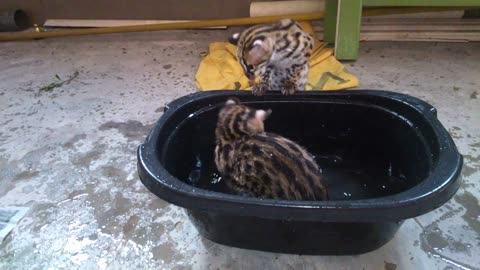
(253, 52)
(236, 120)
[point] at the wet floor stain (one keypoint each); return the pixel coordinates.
(433, 237)
(455, 132)
(70, 143)
(472, 210)
(165, 252)
(133, 130)
(27, 168)
(474, 95)
(85, 159)
(390, 266)
(129, 227)
(26, 175)
(114, 173)
(475, 145)
(434, 242)
(470, 169)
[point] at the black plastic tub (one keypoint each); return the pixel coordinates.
(385, 156)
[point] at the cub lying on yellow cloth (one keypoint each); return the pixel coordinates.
(220, 69)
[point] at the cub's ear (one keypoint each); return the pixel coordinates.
(234, 38)
(232, 101)
(257, 53)
(262, 115)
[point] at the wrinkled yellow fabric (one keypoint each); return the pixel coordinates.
(220, 70)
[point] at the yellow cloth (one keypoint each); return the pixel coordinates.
(220, 70)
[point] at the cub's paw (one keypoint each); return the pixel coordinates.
(288, 88)
(260, 89)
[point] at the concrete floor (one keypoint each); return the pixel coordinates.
(69, 154)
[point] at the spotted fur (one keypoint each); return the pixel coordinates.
(277, 54)
(260, 164)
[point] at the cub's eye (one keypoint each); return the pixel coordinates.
(250, 67)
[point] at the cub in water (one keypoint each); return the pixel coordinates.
(260, 164)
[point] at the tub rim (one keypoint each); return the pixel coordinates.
(422, 198)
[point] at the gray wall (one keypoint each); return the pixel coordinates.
(40, 10)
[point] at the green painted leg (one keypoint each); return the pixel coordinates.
(330, 21)
(347, 38)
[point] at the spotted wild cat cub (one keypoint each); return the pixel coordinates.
(260, 164)
(277, 54)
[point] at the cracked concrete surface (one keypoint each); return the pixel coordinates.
(69, 154)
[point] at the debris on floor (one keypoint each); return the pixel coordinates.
(9, 217)
(58, 83)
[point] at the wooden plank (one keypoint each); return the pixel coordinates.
(393, 39)
(372, 21)
(407, 11)
(348, 29)
(417, 36)
(416, 28)
(158, 27)
(111, 23)
(396, 39)
(422, 27)
(431, 21)
(270, 8)
(470, 36)
(421, 3)
(431, 13)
